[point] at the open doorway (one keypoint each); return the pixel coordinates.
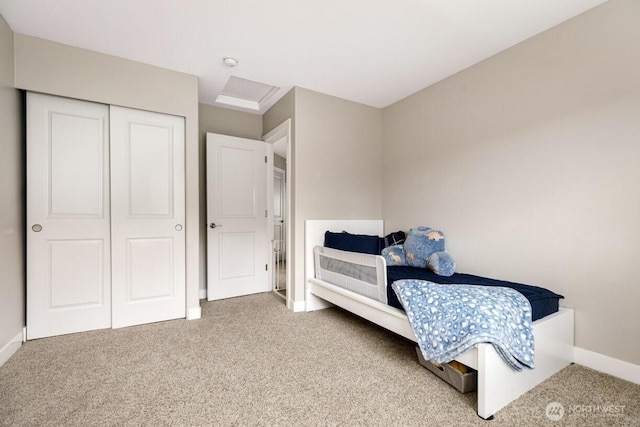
(279, 194)
(279, 225)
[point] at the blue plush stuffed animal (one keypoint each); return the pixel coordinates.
(420, 243)
(394, 255)
(441, 263)
(424, 247)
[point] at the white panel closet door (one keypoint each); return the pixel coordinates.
(68, 253)
(147, 217)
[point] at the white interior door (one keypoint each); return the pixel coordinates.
(68, 252)
(147, 217)
(236, 217)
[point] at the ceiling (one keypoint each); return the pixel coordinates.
(374, 52)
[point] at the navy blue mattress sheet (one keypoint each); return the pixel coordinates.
(543, 301)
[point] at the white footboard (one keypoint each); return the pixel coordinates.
(499, 385)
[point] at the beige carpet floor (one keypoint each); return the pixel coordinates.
(251, 362)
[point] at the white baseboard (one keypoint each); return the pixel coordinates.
(296, 306)
(608, 365)
(10, 348)
(314, 303)
(194, 313)
(203, 294)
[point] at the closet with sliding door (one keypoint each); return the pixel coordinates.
(105, 216)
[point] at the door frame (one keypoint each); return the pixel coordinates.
(283, 130)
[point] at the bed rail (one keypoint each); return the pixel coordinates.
(361, 273)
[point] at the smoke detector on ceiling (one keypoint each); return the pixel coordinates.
(230, 61)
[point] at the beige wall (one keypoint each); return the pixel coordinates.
(57, 69)
(529, 162)
(337, 160)
(228, 122)
(12, 279)
(225, 122)
(280, 111)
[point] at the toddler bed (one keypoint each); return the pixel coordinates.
(498, 384)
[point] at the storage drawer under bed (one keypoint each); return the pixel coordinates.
(463, 382)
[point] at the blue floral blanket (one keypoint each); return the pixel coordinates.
(448, 320)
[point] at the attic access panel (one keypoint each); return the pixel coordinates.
(246, 94)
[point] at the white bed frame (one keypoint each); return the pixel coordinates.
(498, 384)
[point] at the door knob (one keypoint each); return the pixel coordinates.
(37, 228)
(214, 225)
